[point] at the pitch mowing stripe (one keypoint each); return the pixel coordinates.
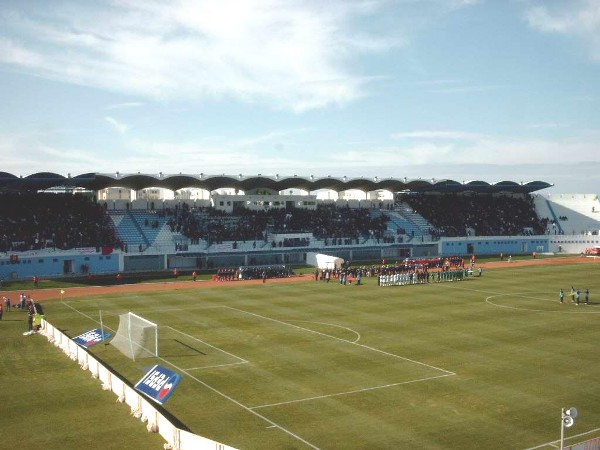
(216, 391)
(83, 314)
(216, 366)
(231, 399)
(337, 394)
(520, 294)
(333, 325)
(342, 340)
(242, 360)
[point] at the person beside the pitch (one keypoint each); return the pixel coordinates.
(587, 296)
(30, 314)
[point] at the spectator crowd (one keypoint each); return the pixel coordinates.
(337, 225)
(62, 221)
(30, 221)
(484, 214)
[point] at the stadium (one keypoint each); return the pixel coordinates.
(251, 221)
(302, 312)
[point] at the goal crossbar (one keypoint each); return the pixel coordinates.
(136, 337)
(141, 319)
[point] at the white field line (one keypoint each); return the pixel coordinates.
(231, 399)
(333, 325)
(187, 308)
(501, 294)
(215, 366)
(225, 396)
(242, 360)
(471, 290)
(141, 309)
(584, 308)
(84, 314)
(555, 443)
(342, 340)
(351, 392)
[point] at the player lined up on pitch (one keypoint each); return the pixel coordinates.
(575, 296)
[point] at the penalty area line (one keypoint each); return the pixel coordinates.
(222, 394)
(246, 408)
(217, 365)
(373, 349)
(355, 391)
(242, 360)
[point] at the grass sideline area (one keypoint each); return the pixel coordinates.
(99, 280)
(48, 402)
(484, 363)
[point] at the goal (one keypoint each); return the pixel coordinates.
(136, 337)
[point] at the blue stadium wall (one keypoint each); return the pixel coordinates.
(64, 264)
(493, 245)
(25, 266)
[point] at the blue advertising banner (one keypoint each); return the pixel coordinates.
(158, 384)
(91, 337)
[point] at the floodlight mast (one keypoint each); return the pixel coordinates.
(562, 427)
(566, 420)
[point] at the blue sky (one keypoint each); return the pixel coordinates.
(460, 89)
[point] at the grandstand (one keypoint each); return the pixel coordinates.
(68, 234)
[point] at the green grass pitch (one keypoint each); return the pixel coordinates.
(484, 363)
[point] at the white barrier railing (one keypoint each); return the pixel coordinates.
(141, 407)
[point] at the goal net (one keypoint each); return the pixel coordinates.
(136, 337)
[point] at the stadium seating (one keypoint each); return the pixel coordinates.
(145, 228)
(36, 221)
(489, 215)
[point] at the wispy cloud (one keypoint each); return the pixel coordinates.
(443, 82)
(439, 135)
(514, 159)
(548, 126)
(580, 18)
(40, 155)
(120, 127)
(461, 89)
(463, 3)
(289, 54)
(455, 86)
(125, 105)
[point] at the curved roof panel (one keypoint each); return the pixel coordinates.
(97, 181)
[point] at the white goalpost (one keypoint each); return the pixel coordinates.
(136, 337)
